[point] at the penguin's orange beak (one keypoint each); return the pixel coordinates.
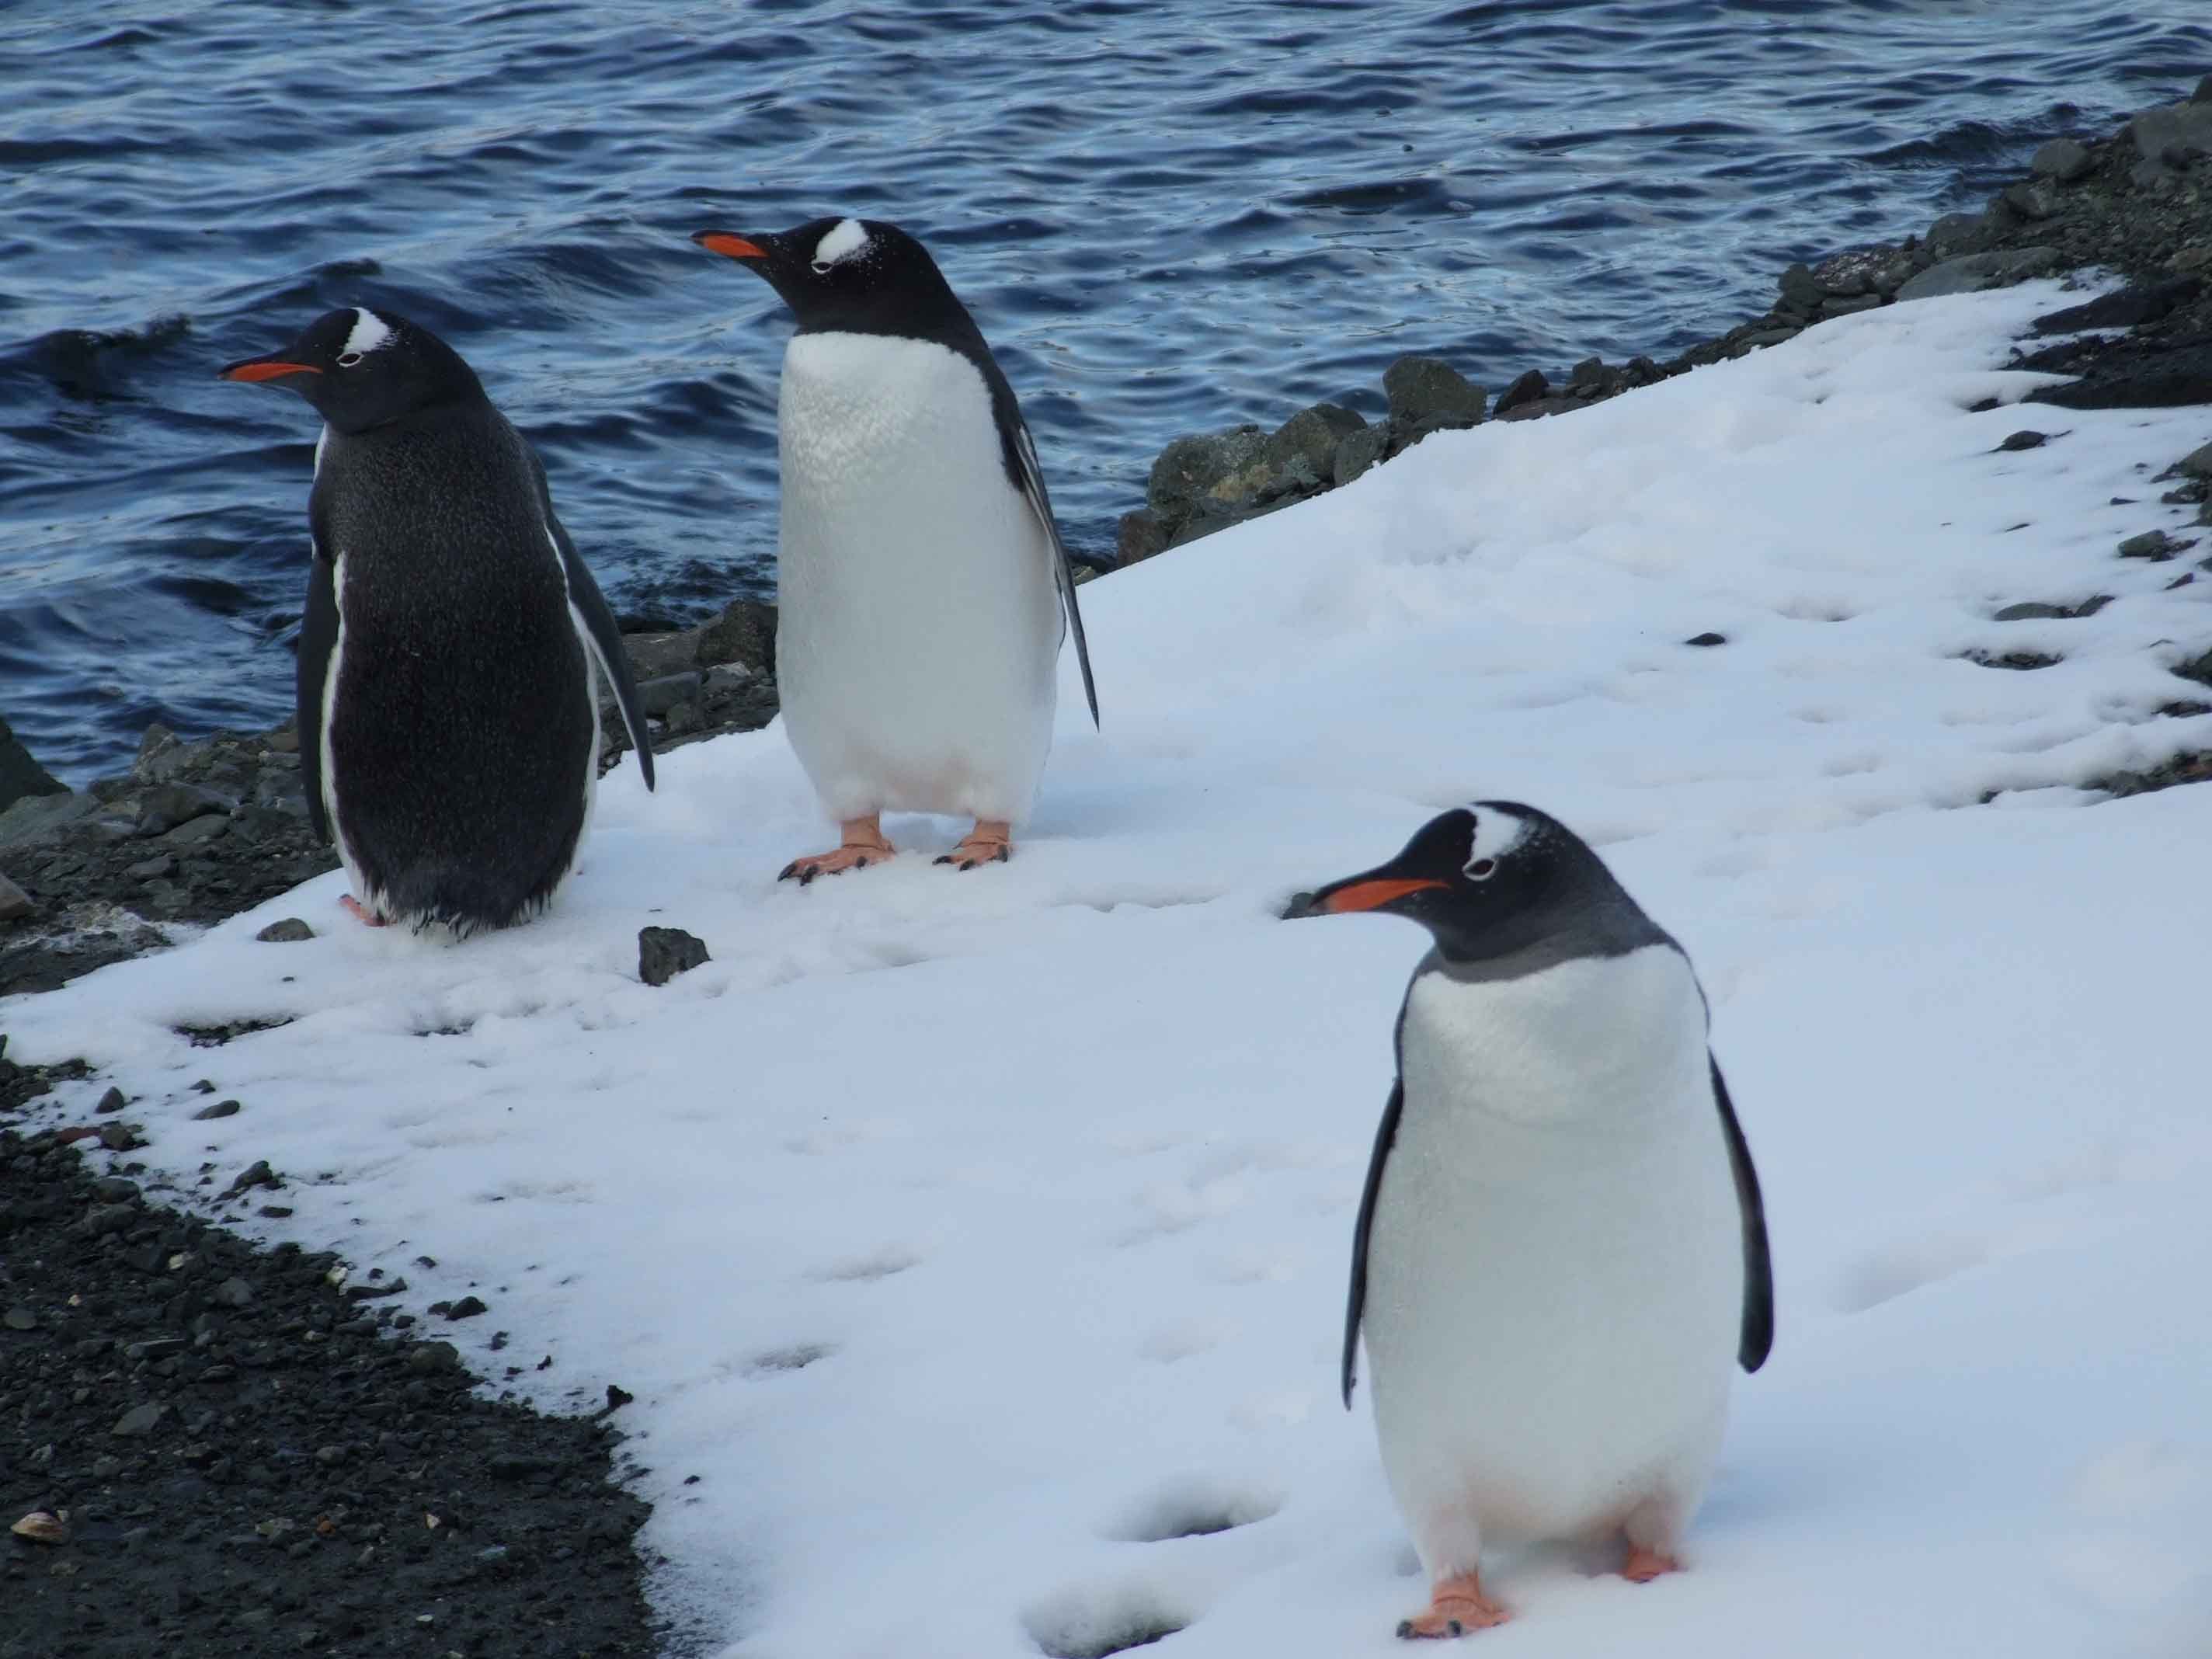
(729, 246)
(1370, 894)
(265, 368)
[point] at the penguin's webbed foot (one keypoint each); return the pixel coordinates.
(1644, 1566)
(862, 846)
(1456, 1605)
(361, 913)
(991, 841)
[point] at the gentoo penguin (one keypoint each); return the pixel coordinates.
(1560, 1248)
(449, 730)
(922, 577)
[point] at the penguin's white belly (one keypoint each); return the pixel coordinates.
(1555, 1276)
(920, 621)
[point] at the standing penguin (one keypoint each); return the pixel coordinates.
(1560, 1248)
(922, 577)
(449, 730)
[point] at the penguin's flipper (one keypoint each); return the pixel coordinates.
(1063, 565)
(319, 638)
(1756, 1338)
(604, 638)
(1356, 1303)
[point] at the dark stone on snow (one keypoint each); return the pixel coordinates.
(1357, 452)
(289, 931)
(2163, 380)
(220, 1108)
(665, 952)
(2036, 610)
(2153, 544)
(2131, 307)
(1525, 390)
(2197, 463)
(1706, 638)
(2024, 441)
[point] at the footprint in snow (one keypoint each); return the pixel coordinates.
(1194, 1506)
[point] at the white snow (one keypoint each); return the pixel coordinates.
(971, 1236)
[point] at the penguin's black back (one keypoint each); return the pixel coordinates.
(461, 724)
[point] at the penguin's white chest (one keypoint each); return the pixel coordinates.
(920, 620)
(1555, 1276)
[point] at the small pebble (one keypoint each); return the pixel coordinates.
(220, 1108)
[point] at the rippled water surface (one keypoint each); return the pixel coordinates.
(1166, 217)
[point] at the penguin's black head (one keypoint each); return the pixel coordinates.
(1495, 879)
(849, 276)
(363, 368)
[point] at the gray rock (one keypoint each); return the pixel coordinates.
(744, 633)
(1304, 446)
(149, 869)
(2036, 201)
(1429, 391)
(1524, 390)
(1850, 305)
(234, 1293)
(15, 902)
(139, 1420)
(467, 1308)
(2024, 439)
(1847, 276)
(1767, 337)
(161, 755)
(1359, 451)
(2174, 136)
(196, 832)
(2197, 463)
(2154, 545)
(20, 1318)
(2061, 159)
(220, 1108)
(166, 805)
(2032, 610)
(1957, 233)
(652, 655)
(290, 931)
(1801, 291)
(659, 694)
(1216, 467)
(1142, 533)
(35, 815)
(113, 1101)
(20, 775)
(1972, 272)
(119, 1137)
(665, 952)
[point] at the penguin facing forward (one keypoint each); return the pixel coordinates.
(449, 729)
(923, 584)
(1560, 1249)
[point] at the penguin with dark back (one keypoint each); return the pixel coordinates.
(449, 727)
(1561, 1245)
(923, 583)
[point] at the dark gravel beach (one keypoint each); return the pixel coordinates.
(218, 1450)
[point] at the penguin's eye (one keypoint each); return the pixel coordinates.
(1482, 869)
(348, 358)
(820, 267)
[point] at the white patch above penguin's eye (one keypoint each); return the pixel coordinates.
(369, 331)
(1496, 835)
(841, 241)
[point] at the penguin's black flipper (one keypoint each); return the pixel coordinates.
(1757, 1339)
(599, 625)
(1063, 567)
(319, 637)
(1356, 1303)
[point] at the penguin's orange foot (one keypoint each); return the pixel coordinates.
(1644, 1566)
(991, 841)
(361, 913)
(864, 845)
(1456, 1605)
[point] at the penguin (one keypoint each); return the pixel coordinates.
(1561, 1248)
(449, 728)
(923, 584)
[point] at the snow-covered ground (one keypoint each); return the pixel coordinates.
(979, 1241)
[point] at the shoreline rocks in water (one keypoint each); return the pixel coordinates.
(2138, 203)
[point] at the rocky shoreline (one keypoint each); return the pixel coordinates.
(216, 1450)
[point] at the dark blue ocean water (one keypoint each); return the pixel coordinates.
(1167, 217)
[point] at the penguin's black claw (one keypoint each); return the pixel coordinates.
(1404, 1630)
(944, 858)
(1452, 1627)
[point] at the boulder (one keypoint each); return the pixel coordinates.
(1209, 468)
(20, 775)
(1359, 451)
(1141, 534)
(1971, 273)
(2061, 159)
(1303, 450)
(744, 633)
(1429, 392)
